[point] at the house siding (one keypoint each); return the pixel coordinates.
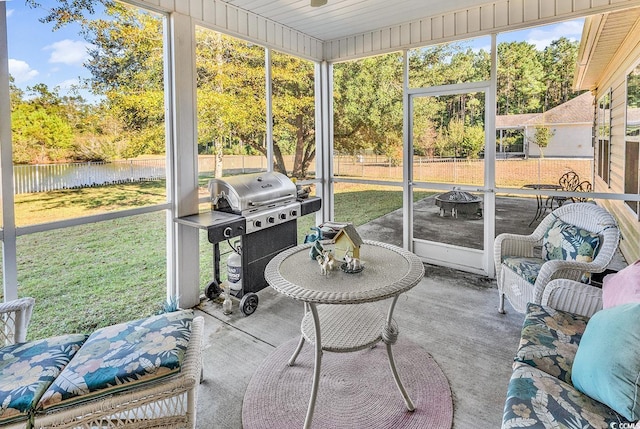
(569, 140)
(616, 80)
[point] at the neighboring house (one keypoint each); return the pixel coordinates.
(571, 124)
(609, 66)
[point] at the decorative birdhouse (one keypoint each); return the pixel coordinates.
(347, 242)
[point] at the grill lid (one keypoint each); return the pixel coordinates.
(251, 192)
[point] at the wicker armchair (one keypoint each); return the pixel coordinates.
(573, 297)
(14, 319)
(520, 290)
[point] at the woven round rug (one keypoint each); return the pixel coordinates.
(357, 390)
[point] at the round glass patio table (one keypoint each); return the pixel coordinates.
(335, 319)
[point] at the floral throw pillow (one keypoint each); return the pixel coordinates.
(122, 356)
(27, 369)
(569, 243)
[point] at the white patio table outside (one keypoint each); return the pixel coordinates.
(335, 319)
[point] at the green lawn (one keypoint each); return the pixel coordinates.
(89, 276)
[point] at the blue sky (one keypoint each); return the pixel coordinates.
(37, 54)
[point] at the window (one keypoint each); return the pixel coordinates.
(632, 139)
(603, 136)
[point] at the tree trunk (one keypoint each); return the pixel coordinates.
(298, 159)
(279, 165)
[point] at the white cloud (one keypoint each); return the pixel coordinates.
(543, 36)
(21, 71)
(69, 52)
(10, 12)
(68, 84)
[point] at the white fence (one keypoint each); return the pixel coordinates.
(509, 172)
(52, 177)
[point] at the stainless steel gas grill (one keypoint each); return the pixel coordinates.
(261, 210)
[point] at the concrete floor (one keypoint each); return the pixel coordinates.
(451, 314)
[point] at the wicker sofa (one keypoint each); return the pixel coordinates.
(143, 373)
(542, 392)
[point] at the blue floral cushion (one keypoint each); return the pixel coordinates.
(527, 268)
(539, 400)
(549, 340)
(569, 243)
(122, 356)
(27, 369)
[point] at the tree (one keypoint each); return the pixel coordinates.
(558, 61)
(293, 111)
(126, 66)
(231, 93)
(542, 136)
(69, 11)
(41, 130)
(520, 78)
(368, 105)
(39, 135)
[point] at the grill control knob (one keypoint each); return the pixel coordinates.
(227, 232)
(282, 216)
(293, 213)
(271, 219)
(257, 223)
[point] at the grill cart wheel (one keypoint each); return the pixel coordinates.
(249, 303)
(212, 291)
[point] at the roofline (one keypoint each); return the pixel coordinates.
(591, 31)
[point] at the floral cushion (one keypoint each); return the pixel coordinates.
(549, 340)
(27, 369)
(122, 356)
(539, 400)
(527, 268)
(567, 242)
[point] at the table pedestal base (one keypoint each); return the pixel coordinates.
(334, 316)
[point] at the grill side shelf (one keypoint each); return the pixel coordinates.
(219, 225)
(310, 205)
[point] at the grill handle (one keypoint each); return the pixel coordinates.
(271, 201)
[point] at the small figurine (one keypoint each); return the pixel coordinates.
(326, 262)
(316, 250)
(329, 260)
(313, 236)
(353, 264)
(323, 265)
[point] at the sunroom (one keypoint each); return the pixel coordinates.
(327, 37)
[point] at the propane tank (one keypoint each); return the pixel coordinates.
(234, 269)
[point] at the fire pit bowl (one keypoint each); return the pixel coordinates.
(459, 202)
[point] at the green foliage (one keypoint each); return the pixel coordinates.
(368, 104)
(39, 135)
(67, 11)
(520, 78)
(542, 136)
(558, 61)
(126, 66)
(293, 112)
(459, 140)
